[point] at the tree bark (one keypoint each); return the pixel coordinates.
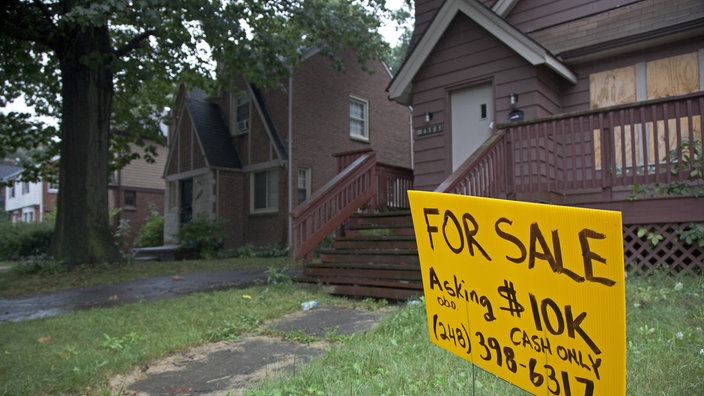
(83, 234)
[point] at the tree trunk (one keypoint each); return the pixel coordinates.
(83, 234)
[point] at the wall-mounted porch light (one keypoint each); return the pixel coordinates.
(513, 99)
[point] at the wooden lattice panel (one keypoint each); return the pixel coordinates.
(669, 254)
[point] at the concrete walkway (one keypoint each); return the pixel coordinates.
(50, 304)
(213, 369)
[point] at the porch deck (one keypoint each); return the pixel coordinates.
(595, 159)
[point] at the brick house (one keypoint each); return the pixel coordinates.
(250, 156)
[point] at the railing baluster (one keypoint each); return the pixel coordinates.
(678, 153)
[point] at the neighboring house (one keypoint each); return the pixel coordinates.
(132, 192)
(560, 101)
(7, 169)
(28, 201)
(136, 189)
(249, 157)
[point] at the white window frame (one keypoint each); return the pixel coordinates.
(28, 215)
(272, 197)
(303, 182)
(364, 136)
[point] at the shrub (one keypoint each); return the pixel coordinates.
(152, 231)
(121, 233)
(202, 234)
(19, 240)
(39, 265)
(275, 250)
(246, 250)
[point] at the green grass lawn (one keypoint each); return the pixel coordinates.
(76, 353)
(665, 353)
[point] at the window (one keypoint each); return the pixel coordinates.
(11, 193)
(265, 191)
(53, 187)
(359, 120)
(240, 111)
(303, 190)
(28, 215)
(640, 146)
(130, 199)
(25, 188)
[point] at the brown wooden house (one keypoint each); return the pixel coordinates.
(569, 102)
(252, 157)
(565, 102)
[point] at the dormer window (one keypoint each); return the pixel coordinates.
(240, 110)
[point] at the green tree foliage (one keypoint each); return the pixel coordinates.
(397, 54)
(152, 231)
(101, 66)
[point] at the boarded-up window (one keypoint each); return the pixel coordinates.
(676, 75)
(613, 87)
(639, 147)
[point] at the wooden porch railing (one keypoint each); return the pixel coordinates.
(393, 185)
(484, 173)
(393, 182)
(362, 182)
(658, 141)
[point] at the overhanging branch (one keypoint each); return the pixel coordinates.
(134, 43)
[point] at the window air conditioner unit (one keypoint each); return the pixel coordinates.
(242, 125)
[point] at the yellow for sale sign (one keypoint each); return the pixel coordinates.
(532, 293)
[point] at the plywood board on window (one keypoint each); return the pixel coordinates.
(676, 75)
(613, 87)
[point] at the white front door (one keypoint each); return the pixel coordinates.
(472, 117)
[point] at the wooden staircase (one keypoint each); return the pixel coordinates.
(375, 255)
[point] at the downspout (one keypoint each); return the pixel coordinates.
(290, 161)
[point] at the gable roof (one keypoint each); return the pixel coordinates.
(7, 171)
(212, 132)
(629, 27)
(271, 128)
(400, 87)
